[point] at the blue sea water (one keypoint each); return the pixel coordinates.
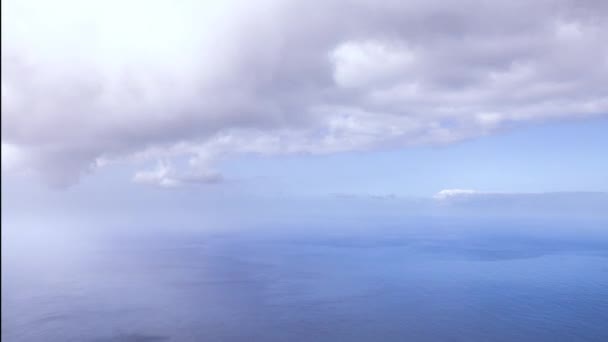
(412, 281)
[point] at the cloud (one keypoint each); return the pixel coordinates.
(86, 82)
(161, 176)
(588, 205)
(165, 175)
(469, 195)
(454, 193)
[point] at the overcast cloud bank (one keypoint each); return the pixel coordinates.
(85, 84)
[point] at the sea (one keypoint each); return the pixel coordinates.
(413, 280)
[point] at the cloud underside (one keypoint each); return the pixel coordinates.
(90, 83)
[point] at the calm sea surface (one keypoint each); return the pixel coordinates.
(409, 282)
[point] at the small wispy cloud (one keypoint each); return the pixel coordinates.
(452, 193)
(166, 176)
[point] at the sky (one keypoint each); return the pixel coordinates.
(555, 157)
(113, 103)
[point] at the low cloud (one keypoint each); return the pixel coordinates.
(89, 83)
(569, 205)
(454, 193)
(166, 176)
(567, 201)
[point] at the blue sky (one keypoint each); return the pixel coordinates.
(554, 157)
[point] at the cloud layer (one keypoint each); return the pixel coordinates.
(87, 83)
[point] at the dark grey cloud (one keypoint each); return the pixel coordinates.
(89, 83)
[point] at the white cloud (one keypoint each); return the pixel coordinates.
(454, 193)
(161, 176)
(88, 83)
(165, 175)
